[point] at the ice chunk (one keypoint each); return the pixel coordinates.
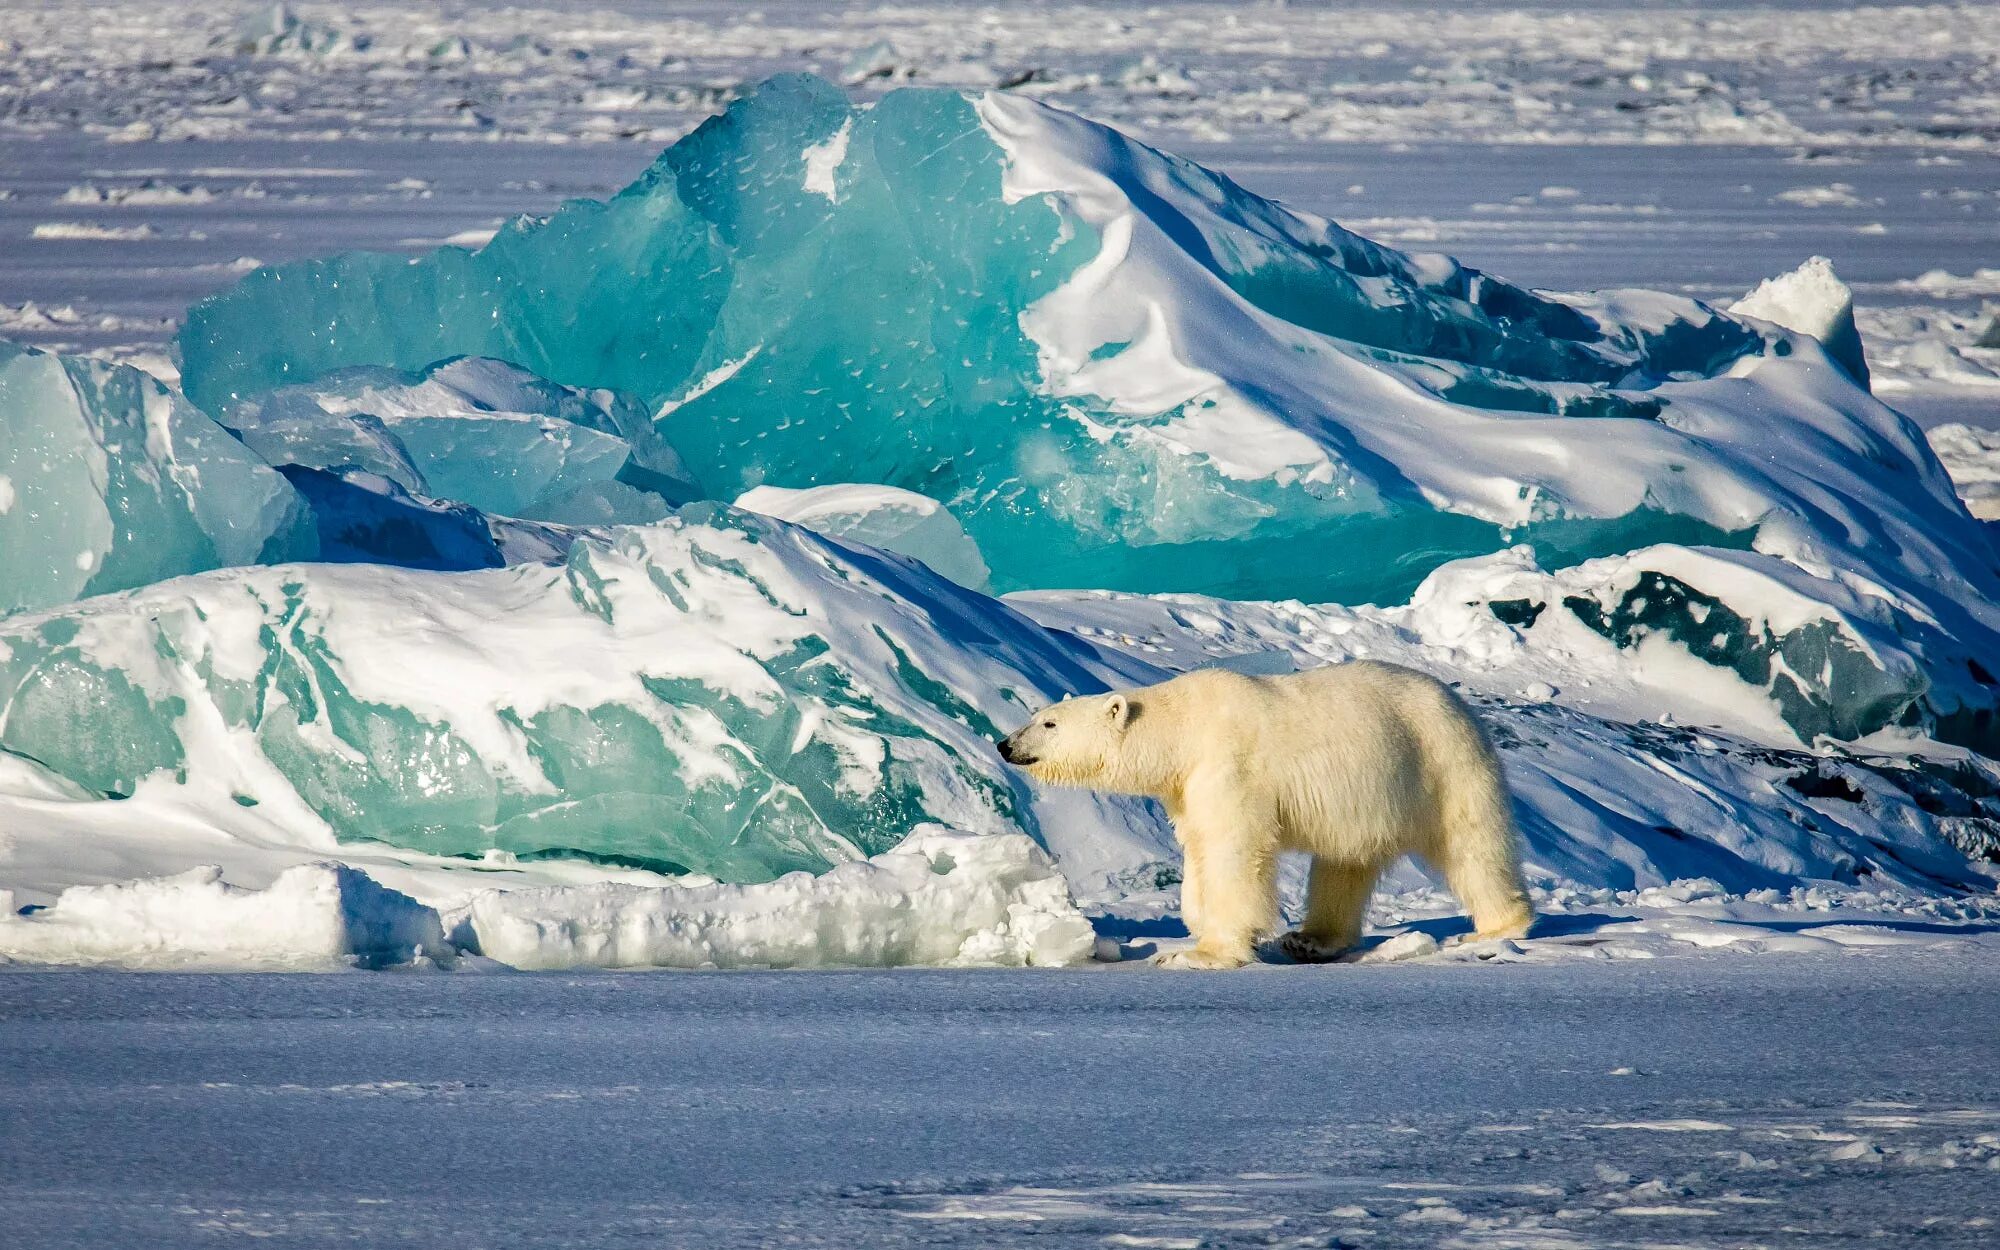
(1830, 664)
(1812, 300)
(877, 60)
(478, 432)
(366, 518)
(277, 31)
(312, 916)
(880, 516)
(940, 897)
(723, 693)
(109, 480)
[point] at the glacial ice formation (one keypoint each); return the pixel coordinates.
(108, 480)
(722, 693)
(880, 516)
(1118, 369)
(478, 432)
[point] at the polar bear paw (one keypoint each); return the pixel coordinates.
(1195, 958)
(1511, 932)
(1301, 947)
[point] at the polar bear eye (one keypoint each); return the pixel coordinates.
(1048, 724)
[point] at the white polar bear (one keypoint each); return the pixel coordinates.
(1356, 765)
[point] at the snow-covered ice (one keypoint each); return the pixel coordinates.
(937, 898)
(879, 516)
(320, 916)
(1795, 724)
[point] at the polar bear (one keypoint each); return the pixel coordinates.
(1355, 764)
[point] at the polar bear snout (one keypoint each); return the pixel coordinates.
(1012, 751)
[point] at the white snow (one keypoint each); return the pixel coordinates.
(823, 162)
(1972, 457)
(91, 230)
(878, 516)
(1944, 283)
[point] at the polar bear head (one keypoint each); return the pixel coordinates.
(1077, 742)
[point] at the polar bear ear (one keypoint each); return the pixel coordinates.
(1118, 710)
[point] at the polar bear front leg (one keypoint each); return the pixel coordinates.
(1191, 888)
(1232, 863)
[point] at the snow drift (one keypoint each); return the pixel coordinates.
(938, 898)
(313, 916)
(941, 897)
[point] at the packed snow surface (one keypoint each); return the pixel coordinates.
(1799, 1103)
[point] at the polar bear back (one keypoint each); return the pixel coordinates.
(1359, 762)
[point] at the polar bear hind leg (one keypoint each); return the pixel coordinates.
(1336, 903)
(1479, 855)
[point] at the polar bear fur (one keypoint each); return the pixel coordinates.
(1356, 765)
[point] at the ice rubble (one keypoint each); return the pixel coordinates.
(1118, 369)
(1972, 457)
(940, 897)
(109, 480)
(313, 916)
(721, 693)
